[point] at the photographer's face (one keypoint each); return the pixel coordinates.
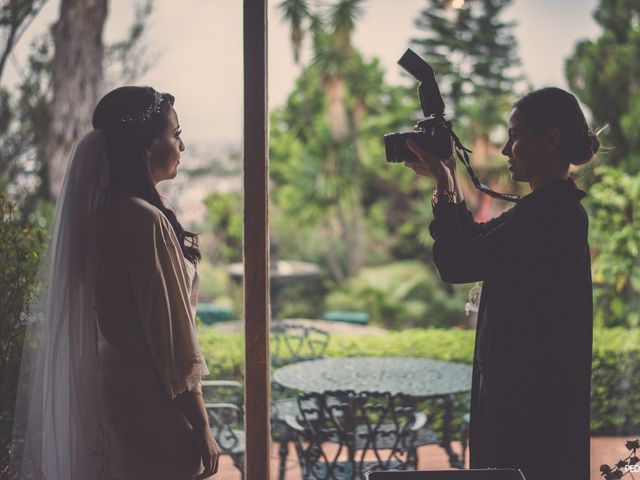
(525, 149)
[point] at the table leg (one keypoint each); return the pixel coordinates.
(284, 450)
(454, 459)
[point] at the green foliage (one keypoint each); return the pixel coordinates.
(224, 221)
(615, 240)
(615, 389)
(326, 148)
(474, 54)
(25, 112)
(441, 344)
(224, 353)
(20, 249)
(318, 185)
(127, 60)
(302, 299)
(24, 124)
(215, 284)
(604, 74)
(15, 17)
(615, 385)
(399, 294)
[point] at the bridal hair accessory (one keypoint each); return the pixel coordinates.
(148, 113)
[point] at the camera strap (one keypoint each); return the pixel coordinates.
(462, 153)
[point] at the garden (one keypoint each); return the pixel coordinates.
(336, 204)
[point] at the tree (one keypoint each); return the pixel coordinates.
(615, 240)
(15, 17)
(20, 250)
(77, 77)
(296, 12)
(605, 75)
(321, 184)
(26, 112)
(334, 61)
(472, 51)
(474, 55)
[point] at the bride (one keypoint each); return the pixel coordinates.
(110, 382)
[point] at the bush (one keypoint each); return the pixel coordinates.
(615, 389)
(615, 384)
(400, 294)
(215, 283)
(20, 248)
(615, 241)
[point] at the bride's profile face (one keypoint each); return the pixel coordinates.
(164, 156)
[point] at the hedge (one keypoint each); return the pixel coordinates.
(615, 390)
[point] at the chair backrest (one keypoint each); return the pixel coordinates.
(291, 343)
(344, 434)
(223, 400)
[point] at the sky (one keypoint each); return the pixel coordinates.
(198, 46)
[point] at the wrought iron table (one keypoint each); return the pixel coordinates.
(423, 379)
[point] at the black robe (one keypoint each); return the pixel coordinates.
(532, 359)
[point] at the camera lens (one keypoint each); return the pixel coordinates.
(390, 147)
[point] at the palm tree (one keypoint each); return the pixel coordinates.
(335, 60)
(333, 52)
(295, 12)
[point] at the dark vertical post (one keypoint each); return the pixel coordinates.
(256, 243)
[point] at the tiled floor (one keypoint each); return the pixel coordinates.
(603, 450)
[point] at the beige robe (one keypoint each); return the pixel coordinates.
(146, 294)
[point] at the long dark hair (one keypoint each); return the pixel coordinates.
(133, 119)
(554, 107)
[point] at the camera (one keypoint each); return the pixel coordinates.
(434, 132)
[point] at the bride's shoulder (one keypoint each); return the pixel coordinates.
(137, 209)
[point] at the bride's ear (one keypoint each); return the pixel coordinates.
(150, 148)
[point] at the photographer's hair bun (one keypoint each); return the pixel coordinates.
(554, 107)
(590, 148)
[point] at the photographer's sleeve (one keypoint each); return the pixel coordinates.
(465, 255)
(467, 224)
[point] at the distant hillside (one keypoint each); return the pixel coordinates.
(203, 169)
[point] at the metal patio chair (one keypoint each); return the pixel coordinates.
(342, 434)
(224, 400)
(291, 343)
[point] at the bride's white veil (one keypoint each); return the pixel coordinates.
(57, 415)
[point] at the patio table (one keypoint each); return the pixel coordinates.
(420, 378)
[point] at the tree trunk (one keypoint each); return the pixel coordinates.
(357, 254)
(331, 254)
(77, 78)
(359, 114)
(335, 91)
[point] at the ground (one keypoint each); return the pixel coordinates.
(603, 450)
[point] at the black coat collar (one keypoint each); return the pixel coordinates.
(557, 189)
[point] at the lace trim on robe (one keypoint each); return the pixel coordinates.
(192, 380)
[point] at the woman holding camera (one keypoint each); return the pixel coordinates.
(532, 358)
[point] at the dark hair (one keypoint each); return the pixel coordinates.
(554, 107)
(133, 119)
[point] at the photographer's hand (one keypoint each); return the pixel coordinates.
(451, 164)
(429, 166)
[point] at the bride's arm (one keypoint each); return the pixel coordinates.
(192, 407)
(160, 288)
